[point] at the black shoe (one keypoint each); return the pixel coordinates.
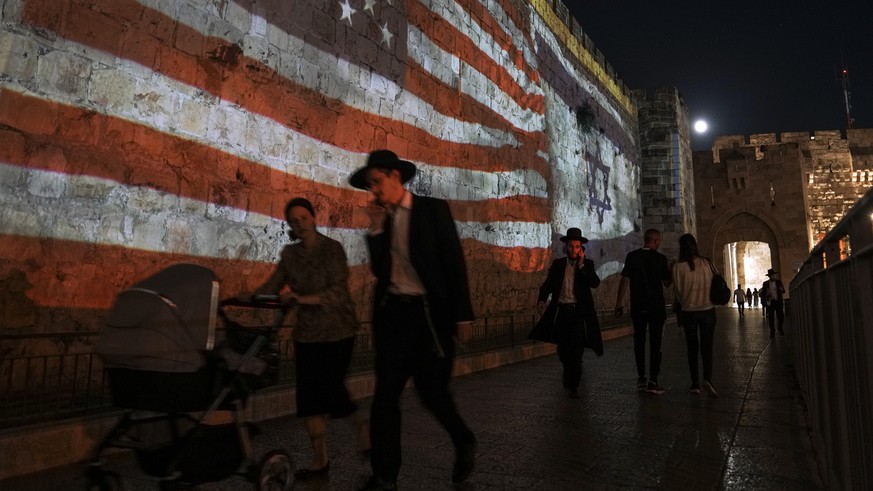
(707, 385)
(572, 393)
(304, 474)
(654, 388)
(642, 383)
(376, 484)
(464, 462)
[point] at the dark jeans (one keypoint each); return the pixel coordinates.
(741, 307)
(654, 322)
(405, 349)
(702, 323)
(774, 309)
(569, 336)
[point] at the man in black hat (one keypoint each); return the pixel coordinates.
(773, 291)
(570, 319)
(422, 300)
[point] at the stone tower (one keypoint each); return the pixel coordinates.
(667, 177)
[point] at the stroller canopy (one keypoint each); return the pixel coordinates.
(164, 323)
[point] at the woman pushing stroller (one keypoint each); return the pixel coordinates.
(315, 269)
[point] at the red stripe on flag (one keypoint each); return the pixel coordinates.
(468, 109)
(450, 39)
(94, 144)
(79, 275)
(220, 69)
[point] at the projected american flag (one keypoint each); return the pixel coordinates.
(154, 132)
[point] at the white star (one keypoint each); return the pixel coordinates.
(386, 35)
(347, 11)
(368, 5)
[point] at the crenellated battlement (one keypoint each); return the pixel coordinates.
(855, 137)
(557, 16)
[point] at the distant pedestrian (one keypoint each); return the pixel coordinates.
(421, 301)
(648, 273)
(764, 301)
(570, 319)
(692, 276)
(755, 298)
(773, 291)
(749, 297)
(740, 298)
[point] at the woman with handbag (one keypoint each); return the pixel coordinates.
(692, 280)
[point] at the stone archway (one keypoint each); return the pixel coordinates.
(743, 228)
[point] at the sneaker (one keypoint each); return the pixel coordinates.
(709, 388)
(695, 389)
(641, 384)
(654, 388)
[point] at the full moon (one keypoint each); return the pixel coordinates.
(700, 126)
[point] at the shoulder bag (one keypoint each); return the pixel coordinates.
(719, 293)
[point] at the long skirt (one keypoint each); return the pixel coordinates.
(321, 373)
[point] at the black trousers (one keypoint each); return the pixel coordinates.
(700, 323)
(406, 348)
(775, 312)
(654, 324)
(570, 338)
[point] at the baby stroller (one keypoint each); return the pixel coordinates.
(183, 386)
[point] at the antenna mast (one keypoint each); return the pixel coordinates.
(847, 95)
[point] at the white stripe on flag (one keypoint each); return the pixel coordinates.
(146, 219)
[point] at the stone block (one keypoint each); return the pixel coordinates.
(19, 56)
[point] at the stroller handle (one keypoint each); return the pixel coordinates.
(257, 302)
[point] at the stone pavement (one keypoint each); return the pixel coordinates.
(532, 436)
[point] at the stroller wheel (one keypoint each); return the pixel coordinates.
(276, 472)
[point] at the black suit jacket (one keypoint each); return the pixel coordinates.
(586, 279)
(436, 254)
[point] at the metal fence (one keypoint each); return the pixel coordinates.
(41, 388)
(832, 313)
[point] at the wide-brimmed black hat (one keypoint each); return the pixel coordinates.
(382, 159)
(574, 233)
(771, 272)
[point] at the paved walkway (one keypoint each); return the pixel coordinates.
(532, 436)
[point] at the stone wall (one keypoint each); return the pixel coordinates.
(139, 134)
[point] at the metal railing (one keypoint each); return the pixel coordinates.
(832, 314)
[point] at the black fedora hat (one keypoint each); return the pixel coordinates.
(771, 272)
(382, 159)
(574, 233)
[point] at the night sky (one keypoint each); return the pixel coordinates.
(743, 66)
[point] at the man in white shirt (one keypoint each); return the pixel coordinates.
(570, 319)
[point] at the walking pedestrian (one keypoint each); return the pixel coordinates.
(755, 298)
(647, 272)
(740, 298)
(692, 276)
(315, 270)
(421, 301)
(773, 291)
(570, 319)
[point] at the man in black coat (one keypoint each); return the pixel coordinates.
(421, 301)
(570, 319)
(774, 292)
